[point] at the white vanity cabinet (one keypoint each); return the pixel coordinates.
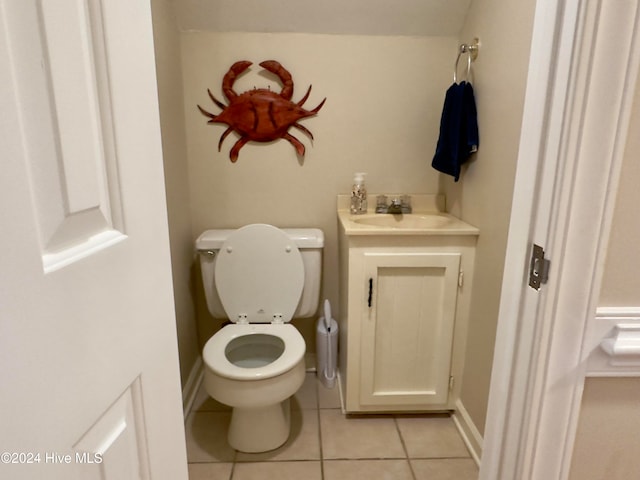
(403, 319)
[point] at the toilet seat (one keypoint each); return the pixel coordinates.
(259, 275)
(214, 352)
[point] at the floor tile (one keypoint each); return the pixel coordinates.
(367, 469)
(328, 397)
(445, 469)
(204, 403)
(278, 470)
(306, 397)
(431, 437)
(303, 443)
(209, 471)
(206, 435)
(359, 437)
(374, 447)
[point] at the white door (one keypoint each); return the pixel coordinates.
(89, 382)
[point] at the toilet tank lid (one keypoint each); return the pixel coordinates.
(304, 238)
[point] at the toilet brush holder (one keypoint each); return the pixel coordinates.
(327, 348)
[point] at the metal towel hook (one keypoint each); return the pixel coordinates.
(472, 53)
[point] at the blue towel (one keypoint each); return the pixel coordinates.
(458, 130)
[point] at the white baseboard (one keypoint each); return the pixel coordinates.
(343, 400)
(468, 431)
(191, 386)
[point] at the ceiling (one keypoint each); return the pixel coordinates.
(358, 17)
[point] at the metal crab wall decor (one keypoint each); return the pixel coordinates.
(260, 115)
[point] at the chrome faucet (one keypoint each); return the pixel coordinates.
(397, 205)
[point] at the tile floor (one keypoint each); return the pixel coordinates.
(327, 445)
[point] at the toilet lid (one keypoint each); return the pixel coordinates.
(259, 275)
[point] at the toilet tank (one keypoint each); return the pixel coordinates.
(309, 241)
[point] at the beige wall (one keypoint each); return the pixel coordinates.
(608, 434)
(167, 45)
(620, 281)
(384, 100)
(483, 195)
(609, 425)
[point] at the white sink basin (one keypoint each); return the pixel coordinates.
(428, 219)
(407, 220)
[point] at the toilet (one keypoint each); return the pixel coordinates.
(259, 277)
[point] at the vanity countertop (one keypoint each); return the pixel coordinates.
(427, 218)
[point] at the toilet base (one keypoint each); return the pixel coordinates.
(255, 430)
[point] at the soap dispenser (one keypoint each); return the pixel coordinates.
(358, 195)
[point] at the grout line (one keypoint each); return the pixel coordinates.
(404, 447)
(283, 460)
(442, 458)
(319, 426)
(233, 470)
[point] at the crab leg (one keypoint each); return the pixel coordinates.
(228, 80)
(223, 136)
(235, 150)
(317, 109)
(215, 100)
(304, 129)
(210, 115)
(304, 99)
(296, 143)
(282, 73)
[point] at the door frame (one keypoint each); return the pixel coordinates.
(583, 69)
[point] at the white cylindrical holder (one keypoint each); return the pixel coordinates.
(326, 352)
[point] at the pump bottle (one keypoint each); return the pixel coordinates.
(358, 195)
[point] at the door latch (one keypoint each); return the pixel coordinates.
(539, 268)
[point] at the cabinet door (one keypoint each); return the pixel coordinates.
(407, 328)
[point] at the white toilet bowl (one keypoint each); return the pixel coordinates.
(255, 368)
(256, 364)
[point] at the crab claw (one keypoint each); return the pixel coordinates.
(234, 72)
(284, 75)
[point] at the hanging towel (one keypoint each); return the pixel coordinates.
(458, 130)
(470, 116)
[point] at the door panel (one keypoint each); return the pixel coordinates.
(88, 350)
(407, 334)
(69, 135)
(116, 442)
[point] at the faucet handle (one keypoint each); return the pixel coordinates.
(381, 204)
(406, 204)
